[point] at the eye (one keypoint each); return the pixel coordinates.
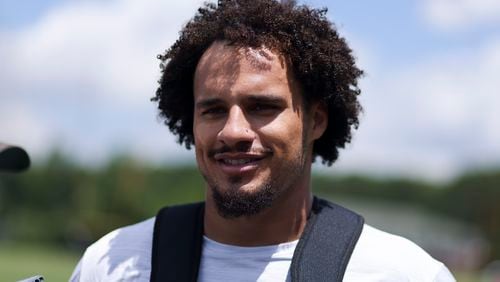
(263, 108)
(213, 111)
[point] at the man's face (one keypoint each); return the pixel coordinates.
(252, 138)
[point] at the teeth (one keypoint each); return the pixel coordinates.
(238, 162)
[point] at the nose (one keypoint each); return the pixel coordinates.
(236, 129)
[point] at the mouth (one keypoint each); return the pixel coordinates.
(238, 163)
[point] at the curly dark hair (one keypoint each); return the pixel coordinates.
(321, 61)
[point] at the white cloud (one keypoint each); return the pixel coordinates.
(457, 15)
(434, 119)
(21, 126)
(99, 45)
(80, 78)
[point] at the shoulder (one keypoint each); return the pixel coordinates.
(380, 256)
(122, 253)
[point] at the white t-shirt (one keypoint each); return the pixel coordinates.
(125, 255)
(221, 262)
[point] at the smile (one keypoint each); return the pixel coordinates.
(238, 163)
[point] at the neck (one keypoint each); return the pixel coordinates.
(283, 222)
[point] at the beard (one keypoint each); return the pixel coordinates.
(233, 202)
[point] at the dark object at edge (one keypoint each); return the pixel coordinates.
(13, 158)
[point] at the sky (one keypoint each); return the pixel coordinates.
(77, 76)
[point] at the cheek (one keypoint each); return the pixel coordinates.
(202, 134)
(200, 141)
(284, 134)
(205, 139)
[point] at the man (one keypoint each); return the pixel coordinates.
(260, 89)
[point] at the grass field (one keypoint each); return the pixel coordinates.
(19, 261)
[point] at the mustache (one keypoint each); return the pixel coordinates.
(243, 148)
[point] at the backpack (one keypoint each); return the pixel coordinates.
(322, 253)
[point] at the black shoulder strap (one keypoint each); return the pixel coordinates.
(326, 244)
(177, 241)
(322, 253)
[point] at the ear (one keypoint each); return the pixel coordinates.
(319, 114)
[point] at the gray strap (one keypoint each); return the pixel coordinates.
(326, 244)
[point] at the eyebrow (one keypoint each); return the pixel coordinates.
(267, 98)
(205, 103)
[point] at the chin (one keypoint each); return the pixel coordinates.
(243, 200)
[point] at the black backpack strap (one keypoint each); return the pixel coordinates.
(177, 241)
(326, 244)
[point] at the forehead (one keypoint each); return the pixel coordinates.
(221, 54)
(232, 69)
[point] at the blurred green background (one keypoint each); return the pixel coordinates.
(49, 214)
